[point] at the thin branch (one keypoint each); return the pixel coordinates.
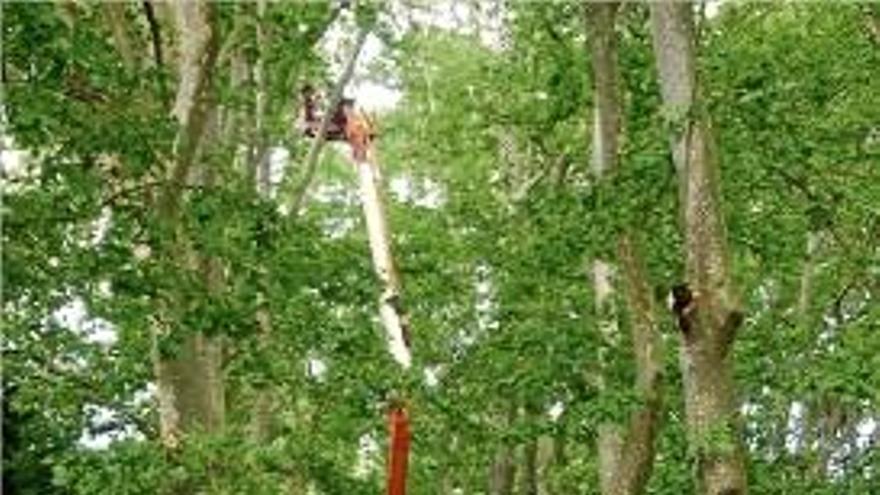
(803, 186)
(527, 186)
(311, 163)
(114, 15)
(156, 37)
(229, 43)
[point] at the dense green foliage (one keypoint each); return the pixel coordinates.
(493, 234)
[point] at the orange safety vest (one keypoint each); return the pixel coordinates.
(359, 132)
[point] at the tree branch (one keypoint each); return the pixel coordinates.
(156, 38)
(311, 162)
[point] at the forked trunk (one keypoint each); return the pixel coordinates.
(709, 324)
(626, 451)
(189, 382)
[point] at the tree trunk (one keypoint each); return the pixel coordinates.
(806, 287)
(530, 468)
(189, 384)
(545, 459)
(502, 471)
(261, 152)
(626, 452)
(606, 109)
(709, 324)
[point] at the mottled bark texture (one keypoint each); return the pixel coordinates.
(502, 467)
(714, 429)
(626, 451)
(189, 381)
(606, 107)
(502, 471)
(530, 468)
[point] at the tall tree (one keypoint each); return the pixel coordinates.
(626, 455)
(190, 386)
(709, 311)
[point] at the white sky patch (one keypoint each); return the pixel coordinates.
(749, 409)
(368, 454)
(466, 339)
(69, 362)
(794, 435)
(338, 227)
(144, 395)
(482, 19)
(432, 194)
(74, 317)
(336, 193)
(423, 193)
(866, 430)
(375, 97)
(713, 7)
(401, 188)
(105, 288)
(279, 159)
(432, 376)
(372, 95)
(556, 410)
(142, 252)
(369, 94)
(101, 226)
(13, 163)
(483, 288)
(315, 367)
(102, 418)
(484, 305)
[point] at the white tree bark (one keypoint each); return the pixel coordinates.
(709, 328)
(189, 384)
